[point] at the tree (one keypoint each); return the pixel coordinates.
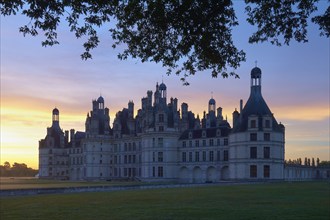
(184, 36)
(18, 169)
(6, 165)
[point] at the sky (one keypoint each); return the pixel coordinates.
(35, 79)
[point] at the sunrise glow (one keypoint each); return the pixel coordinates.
(34, 80)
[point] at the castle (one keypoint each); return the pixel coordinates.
(163, 143)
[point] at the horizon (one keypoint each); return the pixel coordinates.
(34, 80)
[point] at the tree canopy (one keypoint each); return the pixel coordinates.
(18, 169)
(184, 36)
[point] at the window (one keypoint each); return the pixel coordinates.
(160, 142)
(267, 124)
(253, 137)
(253, 124)
(197, 143)
(266, 136)
(225, 155)
(161, 128)
(218, 155)
(160, 156)
(225, 141)
(204, 156)
(161, 117)
(267, 152)
(160, 172)
(153, 157)
(183, 144)
(184, 156)
(197, 156)
(211, 142)
(266, 171)
(153, 171)
(218, 142)
(125, 159)
(253, 171)
(253, 152)
(211, 156)
(190, 156)
(204, 134)
(204, 143)
(190, 143)
(153, 142)
(100, 161)
(190, 135)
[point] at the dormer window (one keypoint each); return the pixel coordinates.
(267, 123)
(253, 124)
(161, 118)
(190, 135)
(204, 134)
(218, 132)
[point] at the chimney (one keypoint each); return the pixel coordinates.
(240, 110)
(71, 134)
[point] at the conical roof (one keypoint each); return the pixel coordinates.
(256, 106)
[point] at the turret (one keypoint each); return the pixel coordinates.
(255, 110)
(100, 102)
(211, 106)
(56, 118)
(162, 90)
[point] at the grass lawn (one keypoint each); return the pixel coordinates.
(32, 183)
(307, 200)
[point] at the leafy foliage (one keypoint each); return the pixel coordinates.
(185, 36)
(17, 170)
(287, 18)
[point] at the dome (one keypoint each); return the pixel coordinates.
(100, 100)
(212, 101)
(162, 86)
(256, 72)
(56, 111)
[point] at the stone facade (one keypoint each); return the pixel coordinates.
(163, 143)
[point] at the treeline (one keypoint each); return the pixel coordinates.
(309, 162)
(17, 170)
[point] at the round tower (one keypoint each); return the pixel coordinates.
(100, 102)
(162, 89)
(257, 140)
(256, 76)
(211, 105)
(56, 115)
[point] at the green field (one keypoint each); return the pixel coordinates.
(32, 183)
(307, 200)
